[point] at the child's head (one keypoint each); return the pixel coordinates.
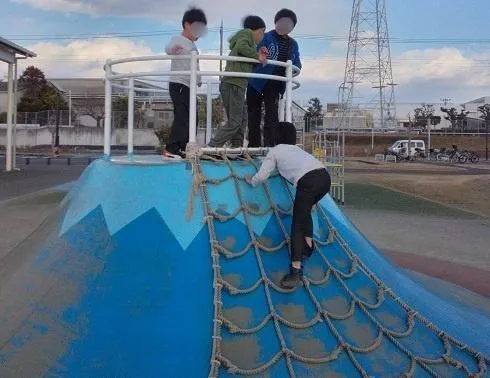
(285, 21)
(194, 23)
(256, 24)
(285, 133)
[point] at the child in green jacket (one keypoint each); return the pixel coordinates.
(233, 89)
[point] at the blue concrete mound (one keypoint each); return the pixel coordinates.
(163, 270)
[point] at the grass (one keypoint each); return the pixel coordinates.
(48, 198)
(371, 197)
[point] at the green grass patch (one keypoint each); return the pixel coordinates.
(372, 197)
(47, 198)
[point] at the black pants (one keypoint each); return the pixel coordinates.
(179, 135)
(309, 190)
(270, 97)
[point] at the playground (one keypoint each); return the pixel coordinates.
(130, 264)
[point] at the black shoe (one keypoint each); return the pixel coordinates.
(292, 279)
(307, 251)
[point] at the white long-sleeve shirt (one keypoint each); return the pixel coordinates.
(182, 64)
(291, 162)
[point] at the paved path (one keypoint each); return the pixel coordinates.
(32, 178)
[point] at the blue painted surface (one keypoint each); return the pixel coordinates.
(121, 285)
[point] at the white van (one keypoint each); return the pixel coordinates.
(401, 147)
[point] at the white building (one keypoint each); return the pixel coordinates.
(472, 106)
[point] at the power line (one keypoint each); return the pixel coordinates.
(168, 32)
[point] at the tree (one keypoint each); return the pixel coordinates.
(424, 113)
(485, 112)
(458, 120)
(38, 94)
(314, 112)
(92, 107)
(120, 112)
(95, 108)
(218, 112)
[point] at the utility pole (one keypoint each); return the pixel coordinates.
(69, 108)
(221, 45)
(445, 101)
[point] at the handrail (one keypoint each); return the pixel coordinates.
(193, 73)
(111, 63)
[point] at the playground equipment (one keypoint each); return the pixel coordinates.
(331, 150)
(157, 267)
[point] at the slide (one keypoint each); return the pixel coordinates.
(172, 269)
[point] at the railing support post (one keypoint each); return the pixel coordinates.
(289, 92)
(209, 111)
(193, 99)
(131, 118)
(108, 111)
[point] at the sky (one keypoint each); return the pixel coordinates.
(439, 49)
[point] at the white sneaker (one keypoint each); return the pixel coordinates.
(169, 155)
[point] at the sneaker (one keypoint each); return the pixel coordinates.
(169, 155)
(292, 279)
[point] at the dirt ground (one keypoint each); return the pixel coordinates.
(451, 185)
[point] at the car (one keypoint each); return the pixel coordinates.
(400, 147)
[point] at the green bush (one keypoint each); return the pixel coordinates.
(163, 135)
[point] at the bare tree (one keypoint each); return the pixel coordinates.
(458, 120)
(92, 107)
(424, 113)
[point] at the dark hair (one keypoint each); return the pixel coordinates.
(194, 15)
(286, 13)
(285, 133)
(253, 22)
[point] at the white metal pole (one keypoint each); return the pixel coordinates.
(289, 91)
(193, 99)
(281, 110)
(209, 111)
(108, 112)
(372, 138)
(69, 108)
(14, 130)
(131, 117)
(428, 139)
(10, 108)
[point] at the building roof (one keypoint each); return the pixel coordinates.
(95, 87)
(481, 100)
(16, 49)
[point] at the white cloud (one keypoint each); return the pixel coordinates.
(424, 75)
(431, 64)
(319, 16)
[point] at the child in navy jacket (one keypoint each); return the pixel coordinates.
(281, 47)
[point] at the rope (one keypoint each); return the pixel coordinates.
(322, 315)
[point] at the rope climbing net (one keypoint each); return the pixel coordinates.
(323, 316)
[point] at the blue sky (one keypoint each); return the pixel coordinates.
(439, 48)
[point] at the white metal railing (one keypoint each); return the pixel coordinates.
(285, 110)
